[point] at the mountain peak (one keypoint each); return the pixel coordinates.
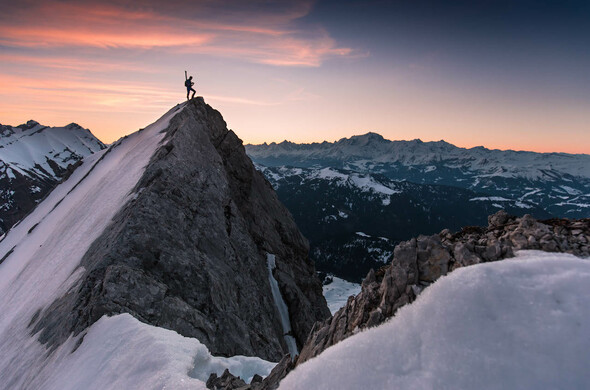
(29, 125)
(73, 126)
(188, 250)
(366, 139)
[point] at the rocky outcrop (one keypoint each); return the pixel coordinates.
(420, 261)
(225, 381)
(188, 251)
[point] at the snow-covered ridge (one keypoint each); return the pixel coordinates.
(372, 149)
(53, 239)
(33, 148)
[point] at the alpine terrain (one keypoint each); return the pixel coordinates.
(357, 198)
(33, 159)
(155, 255)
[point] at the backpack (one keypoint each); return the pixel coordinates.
(188, 83)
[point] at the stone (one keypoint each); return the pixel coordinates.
(226, 381)
(498, 219)
(464, 256)
(256, 379)
(519, 241)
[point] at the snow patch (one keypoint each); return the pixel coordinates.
(338, 291)
(490, 198)
(514, 324)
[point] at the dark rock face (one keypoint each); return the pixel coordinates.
(420, 261)
(188, 252)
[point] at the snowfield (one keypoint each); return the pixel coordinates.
(515, 324)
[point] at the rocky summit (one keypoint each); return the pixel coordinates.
(189, 250)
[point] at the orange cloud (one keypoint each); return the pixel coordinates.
(228, 29)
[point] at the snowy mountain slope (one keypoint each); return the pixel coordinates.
(354, 220)
(166, 225)
(33, 159)
(557, 182)
(519, 323)
(189, 251)
(52, 240)
(120, 352)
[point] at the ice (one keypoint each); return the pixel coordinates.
(515, 324)
(338, 291)
(281, 307)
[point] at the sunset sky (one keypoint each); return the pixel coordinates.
(502, 74)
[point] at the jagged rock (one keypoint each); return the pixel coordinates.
(188, 251)
(424, 259)
(226, 381)
(498, 219)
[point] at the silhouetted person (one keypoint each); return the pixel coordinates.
(189, 87)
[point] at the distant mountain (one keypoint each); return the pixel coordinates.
(33, 159)
(556, 182)
(354, 220)
(356, 198)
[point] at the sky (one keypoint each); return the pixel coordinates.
(497, 73)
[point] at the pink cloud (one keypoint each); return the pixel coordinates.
(242, 30)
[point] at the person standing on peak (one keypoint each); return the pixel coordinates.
(189, 87)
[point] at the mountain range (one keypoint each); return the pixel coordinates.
(33, 159)
(556, 182)
(357, 198)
